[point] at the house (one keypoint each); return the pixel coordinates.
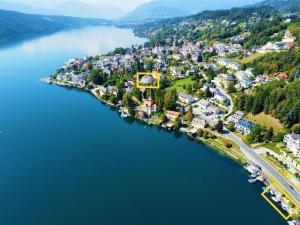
(177, 72)
(223, 61)
(283, 76)
(177, 57)
(228, 63)
(213, 110)
(244, 77)
(203, 104)
(112, 91)
(199, 123)
(261, 79)
(188, 99)
(244, 126)
(128, 90)
(101, 90)
(147, 80)
(149, 106)
(220, 97)
(224, 80)
(172, 115)
(235, 117)
(288, 37)
(293, 143)
(234, 66)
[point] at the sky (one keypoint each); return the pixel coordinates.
(126, 5)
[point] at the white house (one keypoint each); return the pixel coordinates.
(188, 99)
(235, 117)
(293, 143)
(244, 126)
(176, 72)
(199, 123)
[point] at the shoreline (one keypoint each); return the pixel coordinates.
(240, 160)
(265, 178)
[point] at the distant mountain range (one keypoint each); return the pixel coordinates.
(20, 7)
(161, 9)
(89, 10)
(287, 5)
(15, 25)
(67, 8)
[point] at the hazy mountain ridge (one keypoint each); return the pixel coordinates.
(87, 10)
(15, 24)
(185, 7)
(286, 5)
(75, 8)
(20, 7)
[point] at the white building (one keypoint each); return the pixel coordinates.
(199, 123)
(188, 99)
(293, 143)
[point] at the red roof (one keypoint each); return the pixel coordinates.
(284, 75)
(291, 44)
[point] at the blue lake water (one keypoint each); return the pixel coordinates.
(65, 158)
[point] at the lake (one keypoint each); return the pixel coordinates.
(66, 158)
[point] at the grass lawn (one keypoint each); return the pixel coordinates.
(295, 29)
(178, 85)
(250, 58)
(219, 144)
(266, 120)
(272, 147)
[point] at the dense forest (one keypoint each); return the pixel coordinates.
(276, 98)
(275, 62)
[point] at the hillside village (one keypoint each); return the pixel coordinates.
(206, 66)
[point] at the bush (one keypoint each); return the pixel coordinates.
(200, 132)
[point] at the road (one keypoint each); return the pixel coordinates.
(266, 167)
(230, 107)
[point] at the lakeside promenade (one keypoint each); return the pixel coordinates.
(266, 167)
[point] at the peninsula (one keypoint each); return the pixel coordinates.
(227, 78)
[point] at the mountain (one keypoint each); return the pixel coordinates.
(15, 25)
(21, 7)
(161, 9)
(75, 8)
(89, 10)
(286, 5)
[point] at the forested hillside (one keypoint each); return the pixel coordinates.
(14, 24)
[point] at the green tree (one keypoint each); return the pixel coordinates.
(296, 128)
(177, 124)
(170, 99)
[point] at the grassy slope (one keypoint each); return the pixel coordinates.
(266, 120)
(178, 85)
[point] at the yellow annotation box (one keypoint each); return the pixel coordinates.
(286, 217)
(155, 75)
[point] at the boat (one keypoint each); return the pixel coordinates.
(275, 199)
(252, 180)
(124, 115)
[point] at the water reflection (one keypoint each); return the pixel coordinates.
(85, 40)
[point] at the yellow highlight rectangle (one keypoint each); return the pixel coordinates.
(155, 74)
(263, 194)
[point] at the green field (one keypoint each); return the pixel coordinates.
(250, 58)
(178, 85)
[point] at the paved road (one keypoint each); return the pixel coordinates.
(266, 167)
(230, 107)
